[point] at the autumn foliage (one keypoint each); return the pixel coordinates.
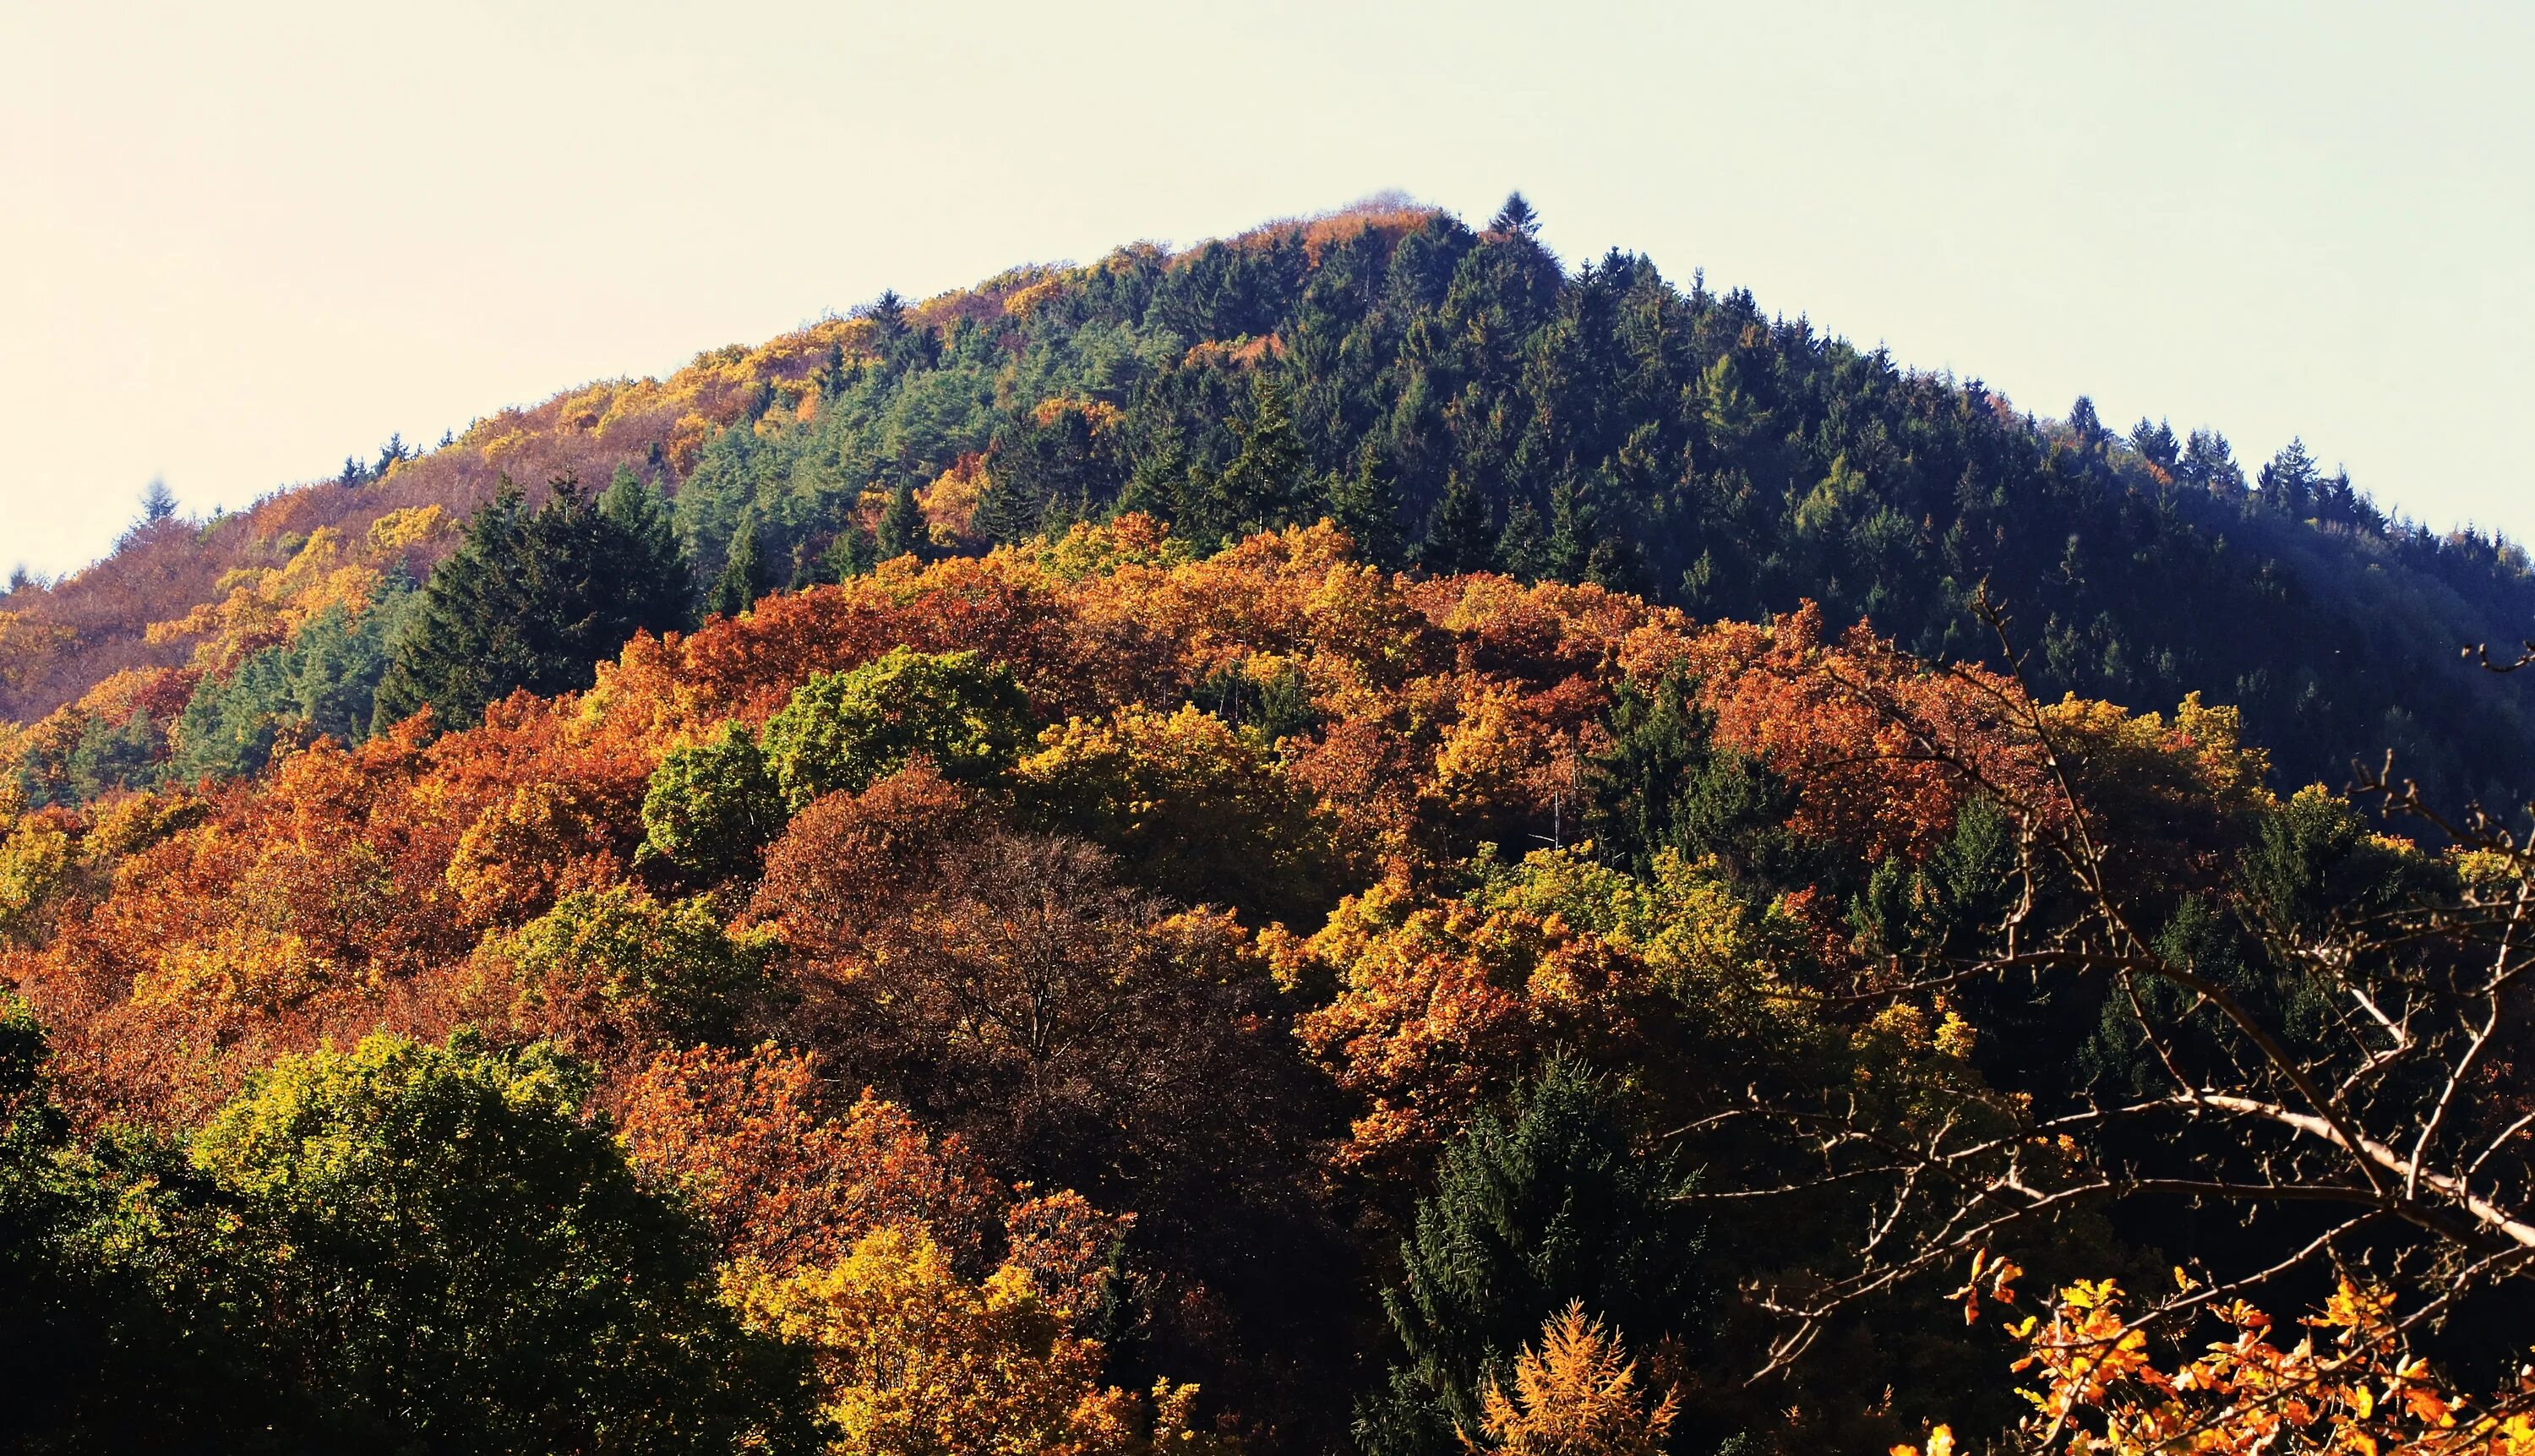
(1047, 981)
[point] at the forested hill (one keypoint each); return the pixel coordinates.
(1458, 400)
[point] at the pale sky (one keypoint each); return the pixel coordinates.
(238, 243)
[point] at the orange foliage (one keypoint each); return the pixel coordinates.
(2345, 1387)
(780, 1178)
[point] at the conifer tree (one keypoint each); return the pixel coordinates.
(2088, 425)
(1458, 537)
(1523, 548)
(852, 554)
(1365, 504)
(1515, 218)
(534, 600)
(743, 572)
(1530, 1211)
(647, 539)
(1262, 488)
(901, 526)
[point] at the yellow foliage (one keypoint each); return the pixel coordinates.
(34, 860)
(1575, 1394)
(2204, 744)
(27, 647)
(1098, 416)
(399, 531)
(261, 607)
(949, 503)
(2347, 1387)
(913, 1357)
(241, 965)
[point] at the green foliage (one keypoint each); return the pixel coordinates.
(1267, 485)
(1365, 504)
(54, 1323)
(1460, 537)
(535, 600)
(402, 1248)
(613, 967)
(1542, 1206)
(1659, 784)
(710, 806)
(843, 730)
(853, 553)
(901, 526)
(2316, 856)
(433, 1249)
(321, 683)
(1944, 906)
(743, 572)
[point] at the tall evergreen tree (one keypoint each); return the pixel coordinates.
(1515, 218)
(743, 572)
(852, 554)
(1524, 547)
(1264, 488)
(535, 600)
(2288, 483)
(1532, 1210)
(2088, 425)
(1365, 504)
(1459, 537)
(901, 526)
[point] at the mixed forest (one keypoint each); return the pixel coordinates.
(1355, 840)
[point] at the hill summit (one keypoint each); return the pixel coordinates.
(1454, 398)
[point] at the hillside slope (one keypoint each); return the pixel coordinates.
(1460, 400)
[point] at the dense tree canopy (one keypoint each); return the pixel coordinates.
(535, 598)
(1352, 840)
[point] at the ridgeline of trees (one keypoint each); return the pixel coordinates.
(1457, 400)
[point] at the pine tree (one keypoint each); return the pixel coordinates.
(1515, 218)
(2087, 426)
(1524, 547)
(1543, 1206)
(1459, 537)
(2288, 483)
(2210, 463)
(852, 554)
(647, 539)
(1366, 506)
(743, 572)
(157, 503)
(1571, 531)
(2156, 444)
(534, 600)
(1262, 488)
(901, 526)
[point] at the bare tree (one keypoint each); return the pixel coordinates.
(2362, 1091)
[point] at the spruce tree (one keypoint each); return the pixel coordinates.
(901, 526)
(646, 544)
(1524, 547)
(743, 572)
(534, 600)
(1262, 488)
(1366, 506)
(852, 554)
(1515, 218)
(1544, 1205)
(1459, 537)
